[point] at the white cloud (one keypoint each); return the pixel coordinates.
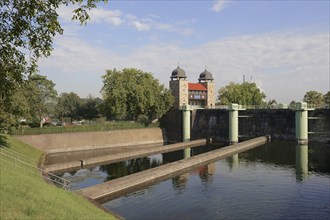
(148, 24)
(97, 15)
(141, 26)
(284, 65)
(117, 18)
(218, 5)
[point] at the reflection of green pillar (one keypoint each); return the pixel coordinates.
(187, 152)
(185, 123)
(301, 162)
(233, 123)
(302, 123)
(233, 161)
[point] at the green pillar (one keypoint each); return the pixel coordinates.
(233, 123)
(302, 123)
(185, 123)
(187, 152)
(301, 162)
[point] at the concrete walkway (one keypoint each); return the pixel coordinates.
(115, 188)
(117, 157)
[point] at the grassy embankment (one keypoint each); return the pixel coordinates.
(25, 195)
(108, 126)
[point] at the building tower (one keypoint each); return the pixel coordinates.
(179, 87)
(206, 79)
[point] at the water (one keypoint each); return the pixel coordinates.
(276, 181)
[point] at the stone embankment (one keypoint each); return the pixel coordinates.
(115, 188)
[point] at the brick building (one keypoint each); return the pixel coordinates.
(201, 94)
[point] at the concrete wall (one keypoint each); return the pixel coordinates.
(53, 143)
(279, 123)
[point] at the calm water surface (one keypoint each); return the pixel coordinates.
(276, 181)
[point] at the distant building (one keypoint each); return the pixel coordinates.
(201, 94)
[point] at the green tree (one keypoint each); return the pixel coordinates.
(41, 96)
(11, 112)
(134, 95)
(90, 107)
(68, 105)
(292, 104)
(327, 98)
(244, 94)
(27, 31)
(314, 97)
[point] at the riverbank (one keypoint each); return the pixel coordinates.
(25, 195)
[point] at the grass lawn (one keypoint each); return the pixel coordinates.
(24, 195)
(110, 126)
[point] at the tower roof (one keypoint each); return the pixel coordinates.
(205, 75)
(196, 87)
(178, 73)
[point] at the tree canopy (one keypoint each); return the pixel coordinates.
(135, 95)
(90, 108)
(68, 105)
(243, 94)
(41, 97)
(314, 97)
(327, 98)
(27, 31)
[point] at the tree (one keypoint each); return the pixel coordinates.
(27, 31)
(314, 97)
(272, 103)
(327, 98)
(292, 104)
(90, 107)
(12, 112)
(41, 96)
(68, 105)
(244, 94)
(134, 95)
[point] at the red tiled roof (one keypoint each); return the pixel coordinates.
(196, 87)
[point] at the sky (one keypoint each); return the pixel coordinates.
(282, 46)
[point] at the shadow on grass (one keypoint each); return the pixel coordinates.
(3, 141)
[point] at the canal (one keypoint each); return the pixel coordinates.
(279, 180)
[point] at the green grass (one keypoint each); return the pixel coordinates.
(80, 128)
(24, 195)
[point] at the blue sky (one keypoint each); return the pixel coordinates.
(283, 46)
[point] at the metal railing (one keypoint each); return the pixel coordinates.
(11, 157)
(275, 106)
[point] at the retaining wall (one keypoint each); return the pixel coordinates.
(214, 123)
(68, 142)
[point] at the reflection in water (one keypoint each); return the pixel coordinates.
(263, 183)
(233, 161)
(283, 154)
(125, 168)
(206, 172)
(301, 162)
(268, 182)
(180, 182)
